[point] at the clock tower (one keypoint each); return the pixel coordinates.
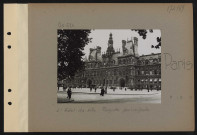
(110, 49)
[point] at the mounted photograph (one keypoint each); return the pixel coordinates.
(109, 66)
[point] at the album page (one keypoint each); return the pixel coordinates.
(106, 67)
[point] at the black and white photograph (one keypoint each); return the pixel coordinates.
(109, 66)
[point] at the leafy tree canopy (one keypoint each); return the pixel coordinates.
(143, 34)
(71, 44)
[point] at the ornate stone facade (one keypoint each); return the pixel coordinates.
(120, 69)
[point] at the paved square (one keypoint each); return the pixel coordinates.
(84, 95)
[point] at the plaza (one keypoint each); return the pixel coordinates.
(124, 75)
(84, 95)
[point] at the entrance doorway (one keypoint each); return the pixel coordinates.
(122, 82)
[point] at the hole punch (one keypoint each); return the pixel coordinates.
(9, 46)
(9, 90)
(9, 33)
(9, 103)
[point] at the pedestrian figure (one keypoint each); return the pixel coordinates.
(125, 89)
(90, 89)
(69, 92)
(151, 87)
(102, 91)
(148, 88)
(95, 89)
(114, 89)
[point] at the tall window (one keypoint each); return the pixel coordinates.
(151, 72)
(155, 72)
(142, 72)
(138, 72)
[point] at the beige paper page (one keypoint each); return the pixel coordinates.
(176, 111)
(16, 68)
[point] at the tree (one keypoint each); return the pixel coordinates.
(71, 44)
(143, 33)
(158, 45)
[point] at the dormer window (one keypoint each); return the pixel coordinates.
(147, 62)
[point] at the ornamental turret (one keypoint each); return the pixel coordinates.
(110, 49)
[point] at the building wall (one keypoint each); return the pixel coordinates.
(119, 69)
(133, 72)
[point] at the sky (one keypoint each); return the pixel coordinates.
(100, 38)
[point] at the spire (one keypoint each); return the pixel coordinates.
(110, 41)
(110, 49)
(110, 36)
